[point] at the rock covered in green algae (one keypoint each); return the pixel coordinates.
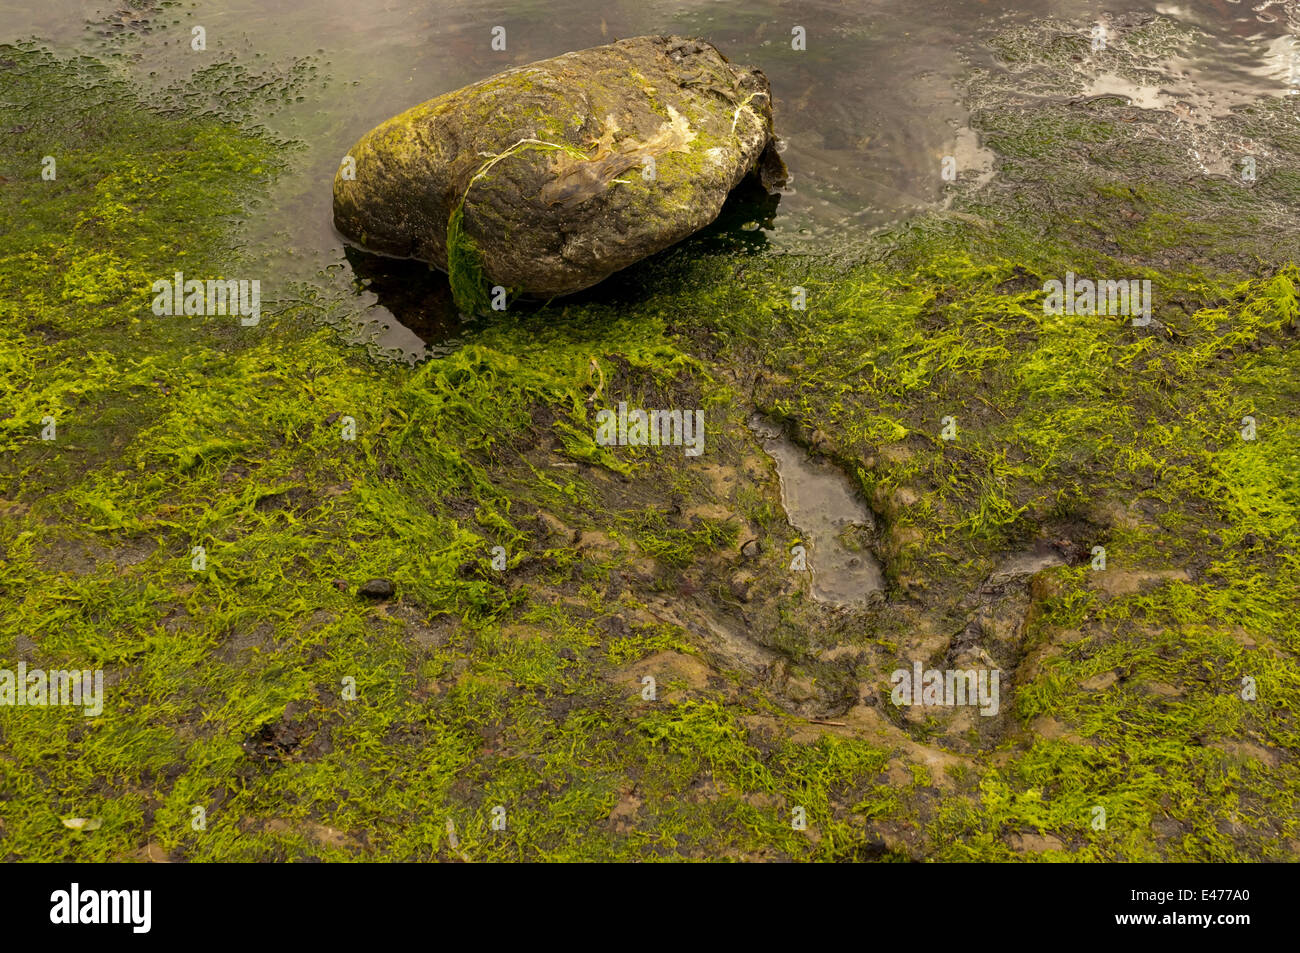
(547, 178)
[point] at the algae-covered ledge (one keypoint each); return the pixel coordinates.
(258, 706)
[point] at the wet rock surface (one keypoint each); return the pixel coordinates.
(547, 178)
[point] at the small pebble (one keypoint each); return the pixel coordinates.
(377, 589)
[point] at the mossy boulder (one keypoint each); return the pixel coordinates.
(547, 178)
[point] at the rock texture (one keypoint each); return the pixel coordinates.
(547, 178)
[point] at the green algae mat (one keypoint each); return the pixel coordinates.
(582, 648)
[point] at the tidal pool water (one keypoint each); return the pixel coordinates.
(835, 521)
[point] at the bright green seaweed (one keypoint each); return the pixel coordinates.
(228, 687)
